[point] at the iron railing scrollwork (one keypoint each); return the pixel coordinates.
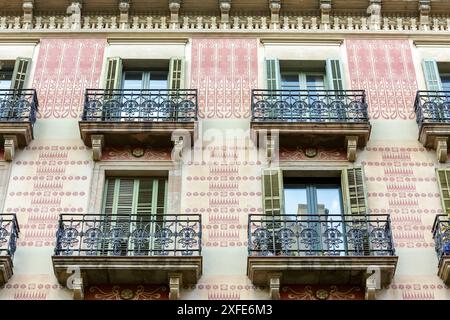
(320, 235)
(178, 105)
(441, 235)
(9, 232)
(128, 235)
(18, 105)
(432, 107)
(345, 106)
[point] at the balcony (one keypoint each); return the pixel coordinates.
(433, 117)
(325, 249)
(315, 118)
(138, 118)
(128, 249)
(9, 232)
(17, 116)
(441, 235)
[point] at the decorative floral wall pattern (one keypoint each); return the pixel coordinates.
(385, 69)
(64, 69)
(224, 71)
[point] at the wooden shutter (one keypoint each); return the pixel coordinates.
(176, 73)
(432, 76)
(272, 187)
(355, 203)
(443, 176)
(20, 74)
(354, 191)
(113, 74)
(273, 74)
(334, 74)
(140, 197)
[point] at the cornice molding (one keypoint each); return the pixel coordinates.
(19, 41)
(297, 41)
(145, 40)
(432, 43)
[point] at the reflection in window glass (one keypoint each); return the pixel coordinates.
(158, 80)
(133, 80)
(5, 80)
(445, 82)
(295, 201)
(328, 201)
(290, 82)
(315, 82)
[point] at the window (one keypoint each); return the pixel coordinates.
(155, 80)
(324, 209)
(313, 196)
(5, 79)
(437, 75)
(304, 75)
(131, 203)
(303, 81)
(144, 74)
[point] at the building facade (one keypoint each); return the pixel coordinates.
(224, 149)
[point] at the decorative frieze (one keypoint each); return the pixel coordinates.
(294, 24)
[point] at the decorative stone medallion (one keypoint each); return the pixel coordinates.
(137, 152)
(310, 152)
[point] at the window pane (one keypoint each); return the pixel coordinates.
(290, 82)
(315, 82)
(5, 80)
(329, 200)
(445, 82)
(158, 80)
(133, 80)
(295, 201)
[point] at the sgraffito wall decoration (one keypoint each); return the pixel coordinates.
(224, 71)
(127, 292)
(321, 292)
(385, 69)
(64, 69)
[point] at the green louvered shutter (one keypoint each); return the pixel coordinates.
(176, 81)
(355, 203)
(273, 75)
(138, 199)
(176, 73)
(273, 191)
(432, 76)
(113, 74)
(334, 74)
(273, 204)
(443, 176)
(20, 73)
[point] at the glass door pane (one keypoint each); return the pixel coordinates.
(332, 229)
(133, 80)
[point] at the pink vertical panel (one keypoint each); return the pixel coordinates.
(385, 69)
(65, 68)
(224, 71)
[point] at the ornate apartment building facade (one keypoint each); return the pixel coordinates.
(224, 149)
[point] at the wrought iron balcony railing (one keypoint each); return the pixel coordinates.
(309, 106)
(18, 105)
(320, 235)
(140, 105)
(441, 235)
(432, 107)
(9, 232)
(128, 235)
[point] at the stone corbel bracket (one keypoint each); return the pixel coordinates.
(274, 285)
(424, 11)
(175, 283)
(440, 144)
(325, 9)
(372, 282)
(74, 12)
(352, 144)
(174, 7)
(28, 6)
(374, 12)
(225, 7)
(124, 7)
(78, 288)
(275, 7)
(10, 147)
(98, 142)
(178, 146)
